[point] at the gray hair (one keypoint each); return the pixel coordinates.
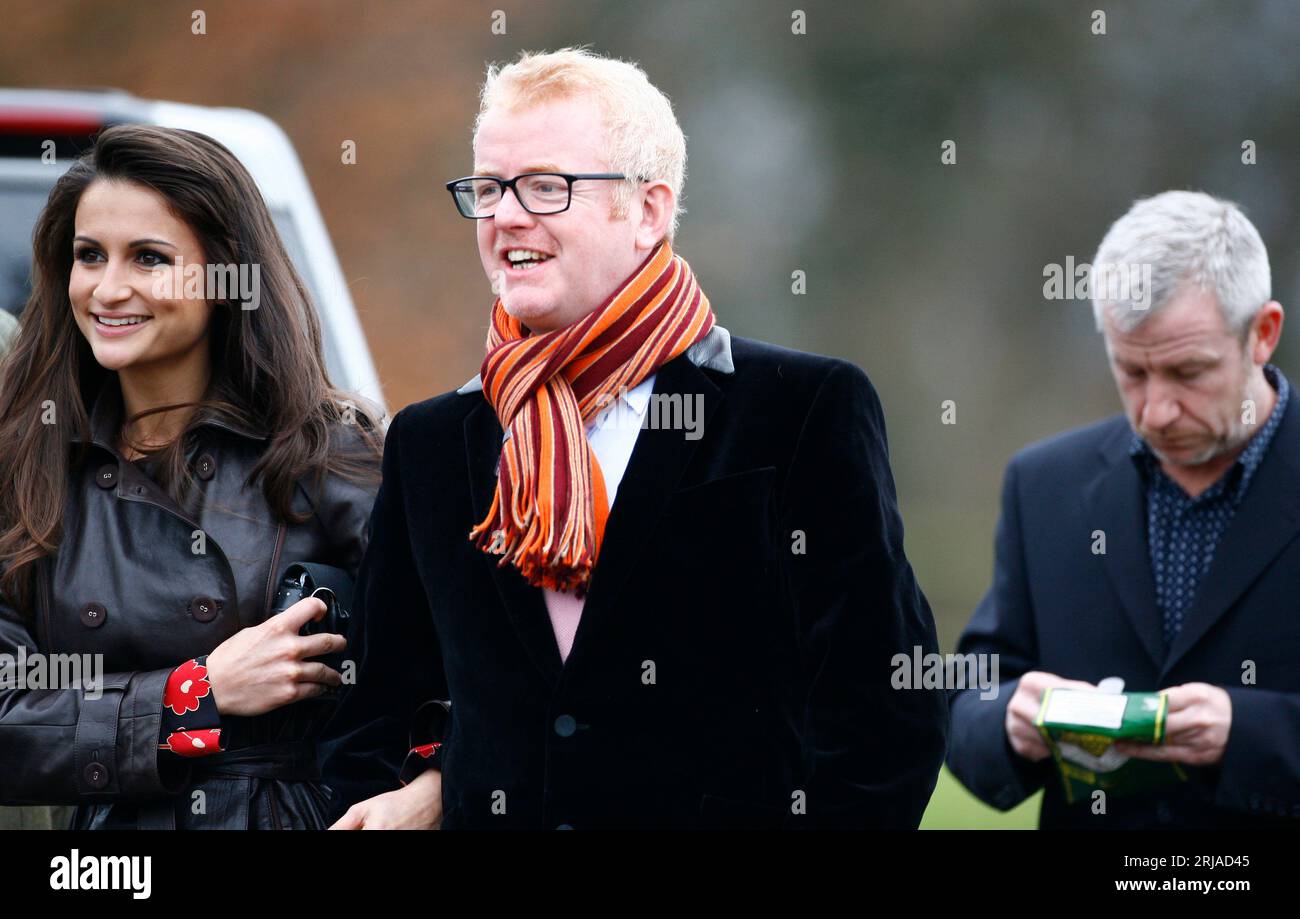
(1181, 238)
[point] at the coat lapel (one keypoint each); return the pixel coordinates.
(654, 469)
(1267, 519)
(653, 472)
(1115, 500)
(524, 603)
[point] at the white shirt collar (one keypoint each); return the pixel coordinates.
(638, 397)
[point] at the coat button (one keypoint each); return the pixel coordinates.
(206, 467)
(93, 615)
(96, 775)
(565, 725)
(204, 609)
(106, 477)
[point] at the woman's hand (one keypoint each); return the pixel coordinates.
(263, 667)
(418, 806)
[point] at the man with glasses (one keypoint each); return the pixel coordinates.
(540, 193)
(636, 573)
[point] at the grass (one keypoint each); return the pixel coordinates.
(954, 808)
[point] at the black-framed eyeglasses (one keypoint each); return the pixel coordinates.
(538, 193)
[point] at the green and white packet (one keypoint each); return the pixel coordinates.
(1081, 726)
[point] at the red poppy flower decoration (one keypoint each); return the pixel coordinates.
(187, 684)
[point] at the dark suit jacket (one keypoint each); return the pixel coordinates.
(1056, 606)
(715, 673)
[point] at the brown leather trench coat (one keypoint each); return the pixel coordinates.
(124, 584)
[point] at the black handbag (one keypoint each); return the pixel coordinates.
(333, 586)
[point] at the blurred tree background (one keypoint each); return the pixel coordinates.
(817, 152)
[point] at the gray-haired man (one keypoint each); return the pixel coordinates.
(1158, 546)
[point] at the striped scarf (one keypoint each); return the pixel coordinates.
(548, 514)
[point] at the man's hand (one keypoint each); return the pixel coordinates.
(418, 806)
(1023, 709)
(1197, 724)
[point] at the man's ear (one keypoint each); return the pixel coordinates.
(657, 204)
(1267, 328)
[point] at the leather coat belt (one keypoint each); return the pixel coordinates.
(292, 761)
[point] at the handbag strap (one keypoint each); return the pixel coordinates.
(335, 579)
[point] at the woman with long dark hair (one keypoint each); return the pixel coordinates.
(167, 447)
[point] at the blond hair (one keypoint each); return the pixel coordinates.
(642, 137)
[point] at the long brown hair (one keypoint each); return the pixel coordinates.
(268, 371)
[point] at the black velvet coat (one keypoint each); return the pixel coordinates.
(718, 677)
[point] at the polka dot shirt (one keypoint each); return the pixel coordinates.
(1182, 531)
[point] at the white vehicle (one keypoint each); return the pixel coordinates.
(35, 123)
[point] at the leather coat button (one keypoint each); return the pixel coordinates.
(206, 467)
(106, 477)
(93, 615)
(204, 609)
(96, 775)
(565, 725)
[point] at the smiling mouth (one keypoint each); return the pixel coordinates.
(119, 323)
(525, 259)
